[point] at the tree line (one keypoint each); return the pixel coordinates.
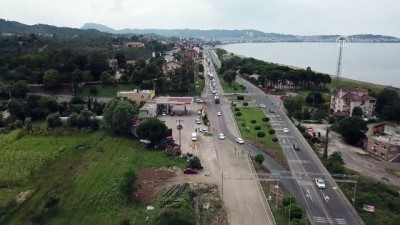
(277, 76)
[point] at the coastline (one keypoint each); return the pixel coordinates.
(381, 86)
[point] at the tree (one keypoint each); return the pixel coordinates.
(153, 130)
(294, 210)
(260, 134)
(120, 57)
(118, 115)
(288, 200)
(315, 98)
(357, 111)
(17, 108)
(129, 183)
(50, 78)
(259, 158)
(336, 157)
(53, 120)
(28, 124)
(352, 129)
(84, 119)
(72, 120)
(195, 163)
(105, 77)
(19, 89)
(229, 76)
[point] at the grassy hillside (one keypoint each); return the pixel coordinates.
(75, 178)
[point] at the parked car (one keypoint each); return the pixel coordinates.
(189, 171)
(180, 113)
(261, 105)
(239, 140)
(164, 113)
(320, 183)
(219, 114)
(285, 130)
(271, 111)
(172, 113)
(198, 121)
(221, 136)
(203, 130)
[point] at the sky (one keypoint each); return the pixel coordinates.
(301, 17)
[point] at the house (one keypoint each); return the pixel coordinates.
(343, 101)
(386, 144)
(148, 110)
(113, 64)
(191, 53)
(171, 67)
(137, 95)
(134, 45)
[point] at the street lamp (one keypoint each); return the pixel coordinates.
(277, 195)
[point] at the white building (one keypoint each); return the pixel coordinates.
(343, 101)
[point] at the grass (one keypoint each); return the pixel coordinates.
(234, 87)
(345, 83)
(393, 172)
(249, 133)
(83, 178)
(105, 90)
(199, 87)
(246, 99)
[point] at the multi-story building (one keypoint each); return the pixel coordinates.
(386, 144)
(170, 66)
(343, 101)
(137, 95)
(191, 53)
(134, 45)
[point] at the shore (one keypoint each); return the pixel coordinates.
(344, 79)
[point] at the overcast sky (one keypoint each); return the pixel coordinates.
(304, 17)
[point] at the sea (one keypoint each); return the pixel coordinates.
(377, 63)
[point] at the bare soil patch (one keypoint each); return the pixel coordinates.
(151, 183)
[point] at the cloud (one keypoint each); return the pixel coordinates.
(282, 16)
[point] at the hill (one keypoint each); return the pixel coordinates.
(241, 35)
(12, 27)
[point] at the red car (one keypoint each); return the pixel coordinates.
(189, 171)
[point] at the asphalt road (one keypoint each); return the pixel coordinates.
(243, 197)
(323, 206)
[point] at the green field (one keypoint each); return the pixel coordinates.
(249, 133)
(75, 178)
(105, 90)
(234, 87)
(246, 99)
(346, 83)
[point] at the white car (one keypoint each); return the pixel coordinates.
(261, 105)
(239, 140)
(164, 113)
(198, 121)
(219, 114)
(199, 100)
(320, 183)
(221, 136)
(285, 130)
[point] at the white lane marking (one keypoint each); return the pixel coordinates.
(319, 219)
(308, 195)
(326, 197)
(249, 209)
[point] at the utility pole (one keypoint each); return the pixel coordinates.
(326, 142)
(179, 127)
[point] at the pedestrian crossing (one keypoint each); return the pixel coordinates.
(319, 219)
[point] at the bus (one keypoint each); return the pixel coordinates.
(216, 99)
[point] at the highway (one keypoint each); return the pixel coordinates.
(322, 206)
(243, 198)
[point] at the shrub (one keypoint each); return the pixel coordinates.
(275, 139)
(260, 134)
(240, 97)
(243, 124)
(288, 199)
(129, 183)
(234, 104)
(253, 121)
(257, 127)
(245, 103)
(265, 119)
(259, 158)
(238, 113)
(195, 163)
(237, 109)
(272, 131)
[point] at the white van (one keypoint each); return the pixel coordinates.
(194, 136)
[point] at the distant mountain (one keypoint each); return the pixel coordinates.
(12, 27)
(187, 33)
(241, 35)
